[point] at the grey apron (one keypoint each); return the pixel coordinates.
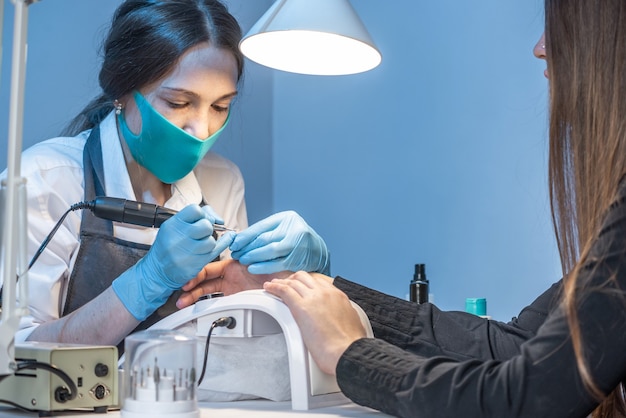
(102, 257)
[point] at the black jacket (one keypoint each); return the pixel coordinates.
(425, 362)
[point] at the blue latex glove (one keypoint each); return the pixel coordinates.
(283, 241)
(183, 245)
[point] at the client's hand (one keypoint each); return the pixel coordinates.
(227, 276)
(325, 316)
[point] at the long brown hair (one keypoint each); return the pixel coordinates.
(586, 56)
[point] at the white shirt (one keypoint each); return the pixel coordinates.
(54, 173)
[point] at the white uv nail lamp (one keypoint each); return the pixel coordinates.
(257, 313)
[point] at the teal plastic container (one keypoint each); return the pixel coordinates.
(476, 306)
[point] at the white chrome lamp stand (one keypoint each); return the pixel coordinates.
(14, 223)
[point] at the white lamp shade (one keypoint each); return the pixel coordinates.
(319, 37)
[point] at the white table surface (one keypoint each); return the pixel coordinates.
(260, 409)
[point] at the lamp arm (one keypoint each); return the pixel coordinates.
(13, 247)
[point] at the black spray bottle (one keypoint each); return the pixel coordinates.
(418, 289)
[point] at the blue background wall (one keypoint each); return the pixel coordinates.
(437, 156)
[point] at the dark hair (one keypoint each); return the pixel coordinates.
(146, 40)
(586, 55)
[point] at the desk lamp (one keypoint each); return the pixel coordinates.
(13, 200)
(317, 37)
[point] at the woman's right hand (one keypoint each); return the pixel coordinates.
(327, 320)
(183, 245)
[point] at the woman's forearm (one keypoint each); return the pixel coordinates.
(103, 321)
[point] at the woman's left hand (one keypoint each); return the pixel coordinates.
(226, 276)
(327, 320)
(281, 242)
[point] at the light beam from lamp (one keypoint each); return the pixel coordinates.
(317, 37)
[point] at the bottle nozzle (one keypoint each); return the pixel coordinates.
(418, 289)
(420, 273)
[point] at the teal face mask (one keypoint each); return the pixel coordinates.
(163, 148)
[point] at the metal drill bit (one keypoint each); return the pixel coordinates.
(157, 379)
